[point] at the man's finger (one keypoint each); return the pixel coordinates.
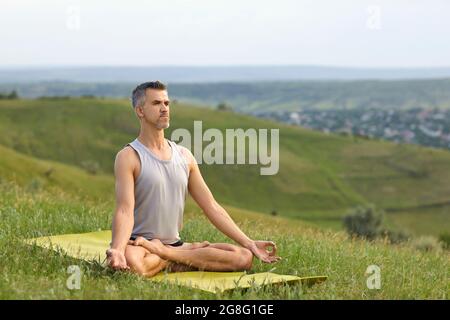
(274, 259)
(261, 257)
(258, 255)
(267, 259)
(274, 247)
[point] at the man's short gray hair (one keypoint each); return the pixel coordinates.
(138, 95)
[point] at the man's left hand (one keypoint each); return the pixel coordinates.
(260, 250)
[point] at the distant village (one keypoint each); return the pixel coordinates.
(429, 127)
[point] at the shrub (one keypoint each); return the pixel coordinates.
(90, 166)
(444, 238)
(426, 243)
(224, 107)
(396, 237)
(364, 222)
(9, 96)
(49, 172)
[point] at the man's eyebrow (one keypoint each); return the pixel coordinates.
(158, 101)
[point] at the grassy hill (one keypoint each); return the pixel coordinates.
(29, 272)
(34, 174)
(319, 95)
(257, 96)
(320, 178)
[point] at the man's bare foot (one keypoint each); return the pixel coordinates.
(154, 246)
(139, 241)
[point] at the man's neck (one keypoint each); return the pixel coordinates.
(154, 139)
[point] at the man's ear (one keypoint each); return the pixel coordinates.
(139, 112)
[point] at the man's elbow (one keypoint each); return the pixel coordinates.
(126, 212)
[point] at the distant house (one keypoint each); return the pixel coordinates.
(429, 132)
(294, 118)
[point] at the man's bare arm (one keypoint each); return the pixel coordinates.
(123, 220)
(220, 218)
(213, 210)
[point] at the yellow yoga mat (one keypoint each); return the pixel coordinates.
(92, 246)
(223, 281)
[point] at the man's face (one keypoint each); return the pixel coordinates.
(155, 111)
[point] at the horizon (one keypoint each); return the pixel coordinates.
(82, 66)
(214, 73)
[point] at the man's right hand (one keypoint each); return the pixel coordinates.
(116, 259)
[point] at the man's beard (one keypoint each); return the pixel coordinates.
(157, 124)
(163, 125)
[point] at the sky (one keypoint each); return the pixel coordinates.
(359, 33)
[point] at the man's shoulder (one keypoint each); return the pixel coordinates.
(126, 155)
(126, 151)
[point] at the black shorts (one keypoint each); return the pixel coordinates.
(176, 244)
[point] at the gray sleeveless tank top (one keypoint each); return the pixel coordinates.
(160, 193)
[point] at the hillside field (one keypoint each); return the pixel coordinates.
(320, 176)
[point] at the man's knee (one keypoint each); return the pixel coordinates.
(245, 259)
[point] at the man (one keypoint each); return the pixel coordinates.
(153, 176)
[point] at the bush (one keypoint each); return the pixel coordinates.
(9, 96)
(396, 237)
(364, 222)
(444, 238)
(426, 243)
(49, 172)
(224, 107)
(90, 166)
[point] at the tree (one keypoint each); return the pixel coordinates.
(223, 106)
(13, 95)
(364, 222)
(10, 96)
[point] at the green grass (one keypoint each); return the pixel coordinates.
(30, 272)
(433, 222)
(321, 176)
(34, 174)
(59, 206)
